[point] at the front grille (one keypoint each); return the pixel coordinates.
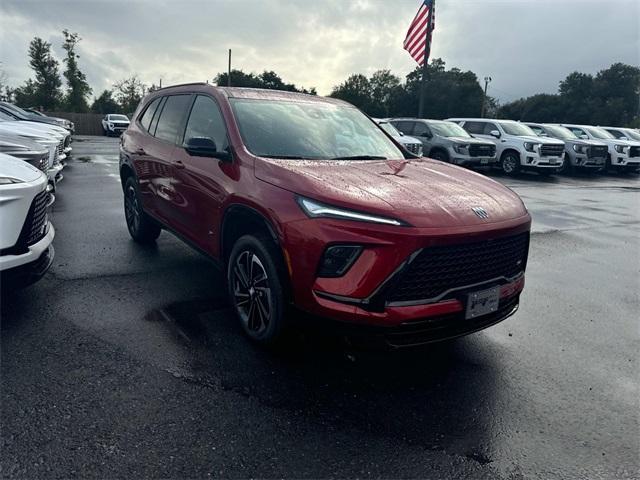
(597, 151)
(634, 152)
(413, 147)
(60, 148)
(41, 163)
(482, 150)
(35, 226)
(551, 150)
(438, 270)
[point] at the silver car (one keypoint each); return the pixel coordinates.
(412, 144)
(448, 141)
(578, 153)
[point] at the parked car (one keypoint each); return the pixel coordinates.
(32, 152)
(51, 140)
(26, 250)
(578, 153)
(22, 114)
(114, 124)
(448, 142)
(410, 143)
(63, 122)
(624, 155)
(517, 146)
(306, 202)
(35, 116)
(44, 128)
(624, 133)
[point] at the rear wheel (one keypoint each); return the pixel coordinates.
(255, 280)
(141, 227)
(510, 163)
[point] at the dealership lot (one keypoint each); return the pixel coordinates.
(124, 360)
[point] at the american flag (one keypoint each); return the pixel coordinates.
(416, 41)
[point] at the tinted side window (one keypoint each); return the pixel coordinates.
(421, 130)
(147, 116)
(489, 127)
(616, 133)
(537, 129)
(474, 127)
(206, 121)
(171, 117)
(577, 131)
(404, 127)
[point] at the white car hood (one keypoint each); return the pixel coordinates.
(407, 140)
(18, 169)
(24, 129)
(544, 140)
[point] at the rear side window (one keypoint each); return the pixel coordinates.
(616, 133)
(536, 129)
(206, 120)
(474, 127)
(421, 130)
(171, 117)
(147, 116)
(404, 127)
(578, 132)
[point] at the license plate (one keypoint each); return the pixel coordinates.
(553, 161)
(482, 303)
(484, 161)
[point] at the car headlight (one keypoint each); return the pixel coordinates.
(579, 148)
(621, 148)
(530, 146)
(463, 149)
(110, 124)
(316, 209)
(9, 180)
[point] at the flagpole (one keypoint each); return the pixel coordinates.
(427, 51)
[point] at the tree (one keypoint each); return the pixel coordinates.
(356, 90)
(267, 79)
(385, 88)
(543, 107)
(129, 92)
(105, 103)
(79, 89)
(44, 91)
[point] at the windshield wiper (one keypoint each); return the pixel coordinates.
(361, 157)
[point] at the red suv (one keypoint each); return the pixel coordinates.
(306, 202)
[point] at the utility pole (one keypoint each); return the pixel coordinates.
(160, 83)
(229, 70)
(425, 65)
(487, 80)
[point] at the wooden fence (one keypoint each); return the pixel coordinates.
(86, 123)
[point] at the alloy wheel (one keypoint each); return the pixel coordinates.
(132, 210)
(251, 293)
(509, 164)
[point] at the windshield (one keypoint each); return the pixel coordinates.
(632, 134)
(448, 129)
(6, 117)
(599, 133)
(390, 129)
(310, 130)
(518, 129)
(118, 117)
(560, 132)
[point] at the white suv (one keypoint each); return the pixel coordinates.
(26, 252)
(623, 154)
(517, 146)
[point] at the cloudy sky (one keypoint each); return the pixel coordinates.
(526, 46)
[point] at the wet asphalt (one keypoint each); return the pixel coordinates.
(124, 361)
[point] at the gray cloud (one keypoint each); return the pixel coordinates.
(527, 46)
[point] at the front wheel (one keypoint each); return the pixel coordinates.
(566, 168)
(439, 155)
(510, 163)
(256, 288)
(141, 228)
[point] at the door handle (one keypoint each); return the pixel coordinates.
(178, 164)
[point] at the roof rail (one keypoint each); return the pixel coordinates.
(181, 85)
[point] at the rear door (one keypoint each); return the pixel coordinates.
(159, 150)
(203, 182)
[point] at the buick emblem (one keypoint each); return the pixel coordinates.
(480, 212)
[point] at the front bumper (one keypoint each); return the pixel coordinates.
(355, 297)
(474, 161)
(583, 161)
(533, 160)
(22, 270)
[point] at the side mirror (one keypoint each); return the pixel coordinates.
(624, 138)
(584, 137)
(494, 133)
(205, 147)
(401, 134)
(543, 134)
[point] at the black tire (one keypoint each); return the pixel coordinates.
(439, 155)
(256, 283)
(510, 162)
(567, 168)
(141, 227)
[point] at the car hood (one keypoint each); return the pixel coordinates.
(426, 193)
(543, 140)
(18, 169)
(469, 140)
(43, 129)
(588, 143)
(22, 129)
(407, 140)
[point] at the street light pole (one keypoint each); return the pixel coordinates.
(487, 80)
(229, 70)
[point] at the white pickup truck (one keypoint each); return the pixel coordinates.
(517, 146)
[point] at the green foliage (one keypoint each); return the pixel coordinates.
(129, 92)
(611, 97)
(267, 79)
(78, 91)
(44, 91)
(105, 103)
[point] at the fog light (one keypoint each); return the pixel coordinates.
(337, 259)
